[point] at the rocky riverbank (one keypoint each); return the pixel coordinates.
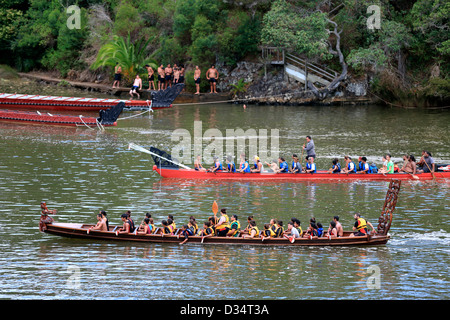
(275, 87)
(246, 83)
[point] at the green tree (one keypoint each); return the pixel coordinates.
(132, 56)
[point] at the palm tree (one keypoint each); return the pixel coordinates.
(131, 57)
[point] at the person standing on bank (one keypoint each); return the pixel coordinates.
(197, 74)
(212, 75)
(117, 76)
(309, 147)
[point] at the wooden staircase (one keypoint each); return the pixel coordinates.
(297, 68)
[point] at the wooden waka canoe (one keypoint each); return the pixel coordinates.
(74, 230)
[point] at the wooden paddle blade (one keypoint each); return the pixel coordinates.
(215, 207)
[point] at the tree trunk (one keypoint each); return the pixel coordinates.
(324, 93)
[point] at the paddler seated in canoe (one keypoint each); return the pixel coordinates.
(429, 164)
(166, 228)
(267, 232)
(253, 231)
(284, 167)
(148, 227)
(245, 231)
(222, 227)
(128, 213)
(207, 231)
(142, 225)
(350, 166)
(192, 224)
(363, 166)
(296, 166)
(198, 164)
(312, 230)
(298, 227)
(185, 232)
(279, 230)
(101, 224)
(336, 167)
(410, 165)
(217, 166)
(231, 166)
(360, 227)
(235, 227)
(171, 221)
(339, 229)
(296, 223)
(105, 218)
(245, 167)
(273, 166)
(332, 231)
(291, 232)
(258, 166)
(127, 224)
(310, 165)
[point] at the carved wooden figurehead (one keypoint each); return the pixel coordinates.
(385, 220)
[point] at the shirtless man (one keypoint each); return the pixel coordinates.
(101, 224)
(168, 76)
(340, 230)
(161, 77)
(212, 75)
(197, 74)
(137, 84)
(117, 76)
(151, 77)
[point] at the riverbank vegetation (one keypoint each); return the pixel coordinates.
(404, 59)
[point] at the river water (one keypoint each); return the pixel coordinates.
(79, 171)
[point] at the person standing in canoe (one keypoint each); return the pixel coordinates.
(223, 226)
(309, 147)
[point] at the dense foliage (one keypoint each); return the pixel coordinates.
(411, 45)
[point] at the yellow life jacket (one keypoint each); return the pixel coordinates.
(300, 231)
(362, 225)
(256, 229)
(270, 231)
(278, 228)
(226, 224)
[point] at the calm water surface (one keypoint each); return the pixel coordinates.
(79, 171)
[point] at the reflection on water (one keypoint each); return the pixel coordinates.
(79, 171)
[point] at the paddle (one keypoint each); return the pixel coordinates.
(215, 209)
(432, 173)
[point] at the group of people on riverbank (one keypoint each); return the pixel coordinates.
(425, 164)
(225, 226)
(166, 77)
